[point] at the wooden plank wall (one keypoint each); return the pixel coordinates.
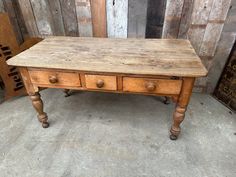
(200, 21)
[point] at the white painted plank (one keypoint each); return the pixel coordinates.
(117, 18)
(83, 11)
(137, 18)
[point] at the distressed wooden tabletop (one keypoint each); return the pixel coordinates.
(167, 57)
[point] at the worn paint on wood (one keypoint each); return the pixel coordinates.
(43, 17)
(117, 18)
(28, 17)
(99, 18)
(69, 17)
(155, 18)
(55, 8)
(83, 11)
(137, 18)
(172, 18)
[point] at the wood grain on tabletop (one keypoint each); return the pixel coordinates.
(129, 56)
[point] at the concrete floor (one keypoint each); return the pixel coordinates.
(112, 135)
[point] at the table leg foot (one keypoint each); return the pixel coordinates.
(173, 137)
(177, 120)
(38, 105)
(167, 100)
(67, 92)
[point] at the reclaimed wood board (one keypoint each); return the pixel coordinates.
(155, 18)
(2, 8)
(185, 22)
(55, 8)
(172, 18)
(83, 11)
(117, 18)
(165, 57)
(137, 18)
(69, 17)
(99, 18)
(43, 17)
(28, 17)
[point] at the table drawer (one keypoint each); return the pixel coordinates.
(55, 78)
(147, 85)
(100, 82)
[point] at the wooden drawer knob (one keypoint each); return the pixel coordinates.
(100, 83)
(150, 86)
(53, 79)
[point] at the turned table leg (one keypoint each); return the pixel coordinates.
(181, 107)
(38, 105)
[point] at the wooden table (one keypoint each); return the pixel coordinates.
(162, 67)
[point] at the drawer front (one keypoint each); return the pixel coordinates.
(55, 78)
(100, 82)
(146, 85)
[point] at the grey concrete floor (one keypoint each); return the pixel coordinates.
(112, 135)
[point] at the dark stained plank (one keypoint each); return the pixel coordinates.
(69, 17)
(155, 18)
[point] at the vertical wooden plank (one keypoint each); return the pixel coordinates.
(117, 18)
(223, 49)
(9, 7)
(185, 19)
(69, 17)
(214, 27)
(84, 17)
(2, 8)
(43, 17)
(172, 18)
(200, 15)
(137, 18)
(28, 17)
(99, 21)
(55, 8)
(155, 18)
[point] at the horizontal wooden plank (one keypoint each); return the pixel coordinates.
(131, 56)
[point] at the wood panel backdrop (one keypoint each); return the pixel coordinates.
(210, 25)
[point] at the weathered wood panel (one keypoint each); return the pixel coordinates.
(200, 15)
(172, 18)
(117, 18)
(137, 18)
(99, 18)
(223, 49)
(2, 8)
(28, 17)
(10, 9)
(55, 8)
(69, 17)
(43, 17)
(185, 19)
(214, 27)
(83, 11)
